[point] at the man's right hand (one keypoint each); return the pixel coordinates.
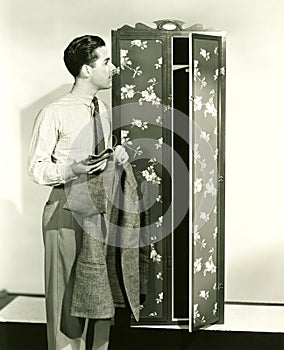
(79, 168)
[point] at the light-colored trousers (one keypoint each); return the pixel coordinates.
(62, 241)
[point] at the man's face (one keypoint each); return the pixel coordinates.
(103, 70)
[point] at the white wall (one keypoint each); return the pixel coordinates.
(34, 34)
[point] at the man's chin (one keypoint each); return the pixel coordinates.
(106, 87)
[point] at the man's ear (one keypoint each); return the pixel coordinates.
(86, 71)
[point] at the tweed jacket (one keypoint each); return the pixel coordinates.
(91, 196)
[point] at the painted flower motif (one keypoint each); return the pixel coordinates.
(138, 151)
(205, 54)
(196, 235)
(127, 91)
(124, 133)
(215, 156)
(198, 185)
(159, 64)
(159, 199)
(153, 314)
(214, 312)
(204, 294)
(149, 95)
(210, 267)
(196, 153)
(159, 144)
(215, 76)
(141, 307)
(139, 124)
(211, 250)
(210, 188)
(159, 120)
(157, 258)
(125, 140)
(196, 313)
(197, 266)
(215, 209)
(203, 83)
(204, 136)
(136, 71)
(216, 50)
(203, 164)
(143, 45)
(124, 59)
(196, 71)
(160, 298)
(150, 175)
(218, 72)
(215, 232)
(159, 223)
(167, 108)
(159, 276)
(215, 131)
(204, 216)
(210, 108)
(214, 286)
(197, 103)
(158, 41)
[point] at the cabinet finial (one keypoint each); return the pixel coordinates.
(169, 24)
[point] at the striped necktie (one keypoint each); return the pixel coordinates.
(99, 135)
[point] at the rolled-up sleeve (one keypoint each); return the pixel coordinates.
(42, 166)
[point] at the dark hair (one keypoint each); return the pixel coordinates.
(81, 51)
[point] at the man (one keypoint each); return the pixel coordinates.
(63, 138)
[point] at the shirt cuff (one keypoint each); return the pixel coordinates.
(67, 174)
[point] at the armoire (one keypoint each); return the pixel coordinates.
(169, 112)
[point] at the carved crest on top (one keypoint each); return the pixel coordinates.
(166, 25)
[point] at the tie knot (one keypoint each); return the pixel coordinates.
(96, 106)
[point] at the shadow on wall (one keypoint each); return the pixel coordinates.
(21, 238)
(28, 253)
(32, 194)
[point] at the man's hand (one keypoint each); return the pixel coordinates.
(120, 155)
(79, 168)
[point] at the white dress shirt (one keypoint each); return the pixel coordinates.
(64, 133)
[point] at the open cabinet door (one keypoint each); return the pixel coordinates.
(207, 108)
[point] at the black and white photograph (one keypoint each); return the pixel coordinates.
(141, 175)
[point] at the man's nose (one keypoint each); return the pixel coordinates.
(114, 70)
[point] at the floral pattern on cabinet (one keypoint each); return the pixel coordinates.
(205, 83)
(141, 82)
(142, 69)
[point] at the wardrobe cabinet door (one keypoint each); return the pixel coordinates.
(139, 113)
(207, 186)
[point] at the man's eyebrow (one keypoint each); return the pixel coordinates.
(107, 59)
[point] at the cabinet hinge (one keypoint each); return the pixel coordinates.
(220, 286)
